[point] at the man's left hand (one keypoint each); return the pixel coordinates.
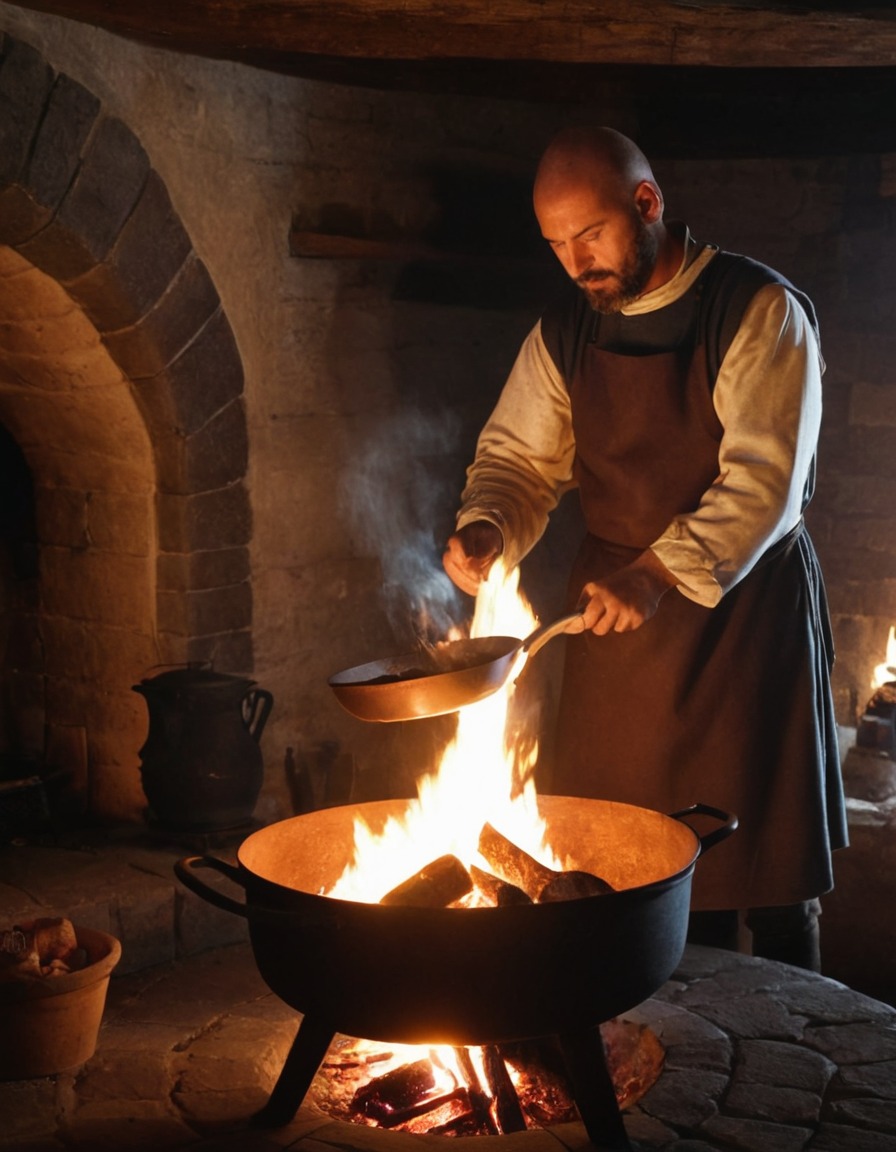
(626, 598)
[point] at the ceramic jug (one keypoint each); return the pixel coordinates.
(201, 765)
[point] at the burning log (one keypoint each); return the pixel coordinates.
(398, 1095)
(437, 885)
(540, 883)
(478, 1099)
(496, 890)
(507, 1111)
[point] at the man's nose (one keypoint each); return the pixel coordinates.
(578, 259)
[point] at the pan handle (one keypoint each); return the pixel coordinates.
(185, 871)
(716, 836)
(540, 636)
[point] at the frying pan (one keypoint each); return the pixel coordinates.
(441, 679)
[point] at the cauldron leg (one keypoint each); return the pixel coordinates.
(305, 1057)
(592, 1085)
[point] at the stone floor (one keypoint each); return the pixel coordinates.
(760, 1057)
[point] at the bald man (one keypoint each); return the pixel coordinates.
(678, 388)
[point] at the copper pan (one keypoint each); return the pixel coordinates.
(441, 679)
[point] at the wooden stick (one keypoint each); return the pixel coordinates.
(437, 885)
(540, 883)
(508, 1113)
(496, 889)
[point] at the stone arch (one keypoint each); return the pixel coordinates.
(86, 220)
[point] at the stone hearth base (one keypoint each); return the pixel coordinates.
(760, 1057)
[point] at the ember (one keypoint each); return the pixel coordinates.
(477, 1091)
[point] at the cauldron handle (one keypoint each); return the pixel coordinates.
(184, 870)
(718, 834)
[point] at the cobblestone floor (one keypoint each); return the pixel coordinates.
(760, 1057)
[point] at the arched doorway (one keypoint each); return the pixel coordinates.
(121, 387)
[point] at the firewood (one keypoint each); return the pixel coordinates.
(497, 890)
(540, 883)
(507, 1111)
(437, 885)
(395, 1093)
(478, 1099)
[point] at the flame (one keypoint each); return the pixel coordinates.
(479, 779)
(885, 673)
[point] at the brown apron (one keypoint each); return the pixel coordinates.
(728, 706)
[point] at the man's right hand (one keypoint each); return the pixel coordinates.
(470, 553)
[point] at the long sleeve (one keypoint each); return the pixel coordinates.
(768, 399)
(524, 455)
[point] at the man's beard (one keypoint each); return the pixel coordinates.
(608, 292)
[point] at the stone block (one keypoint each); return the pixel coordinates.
(211, 610)
(25, 83)
(197, 570)
(783, 1065)
(62, 517)
(839, 1137)
(110, 180)
(215, 1081)
(20, 217)
(144, 918)
(64, 129)
(137, 1125)
(144, 349)
(218, 519)
(768, 1102)
(152, 247)
(28, 1108)
(206, 377)
(212, 457)
(116, 793)
(85, 645)
(729, 1131)
(106, 587)
(225, 651)
(122, 1073)
(200, 925)
(218, 454)
(113, 517)
(59, 252)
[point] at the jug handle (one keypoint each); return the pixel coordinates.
(257, 707)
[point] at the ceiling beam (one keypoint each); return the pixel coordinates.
(692, 33)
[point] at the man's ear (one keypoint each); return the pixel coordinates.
(649, 202)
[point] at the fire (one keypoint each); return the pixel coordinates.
(479, 779)
(885, 673)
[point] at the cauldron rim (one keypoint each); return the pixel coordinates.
(688, 844)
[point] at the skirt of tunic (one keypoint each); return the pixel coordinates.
(728, 706)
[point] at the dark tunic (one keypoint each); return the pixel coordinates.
(728, 706)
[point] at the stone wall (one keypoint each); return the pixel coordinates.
(365, 381)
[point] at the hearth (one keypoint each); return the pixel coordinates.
(464, 977)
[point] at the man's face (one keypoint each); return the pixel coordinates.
(605, 247)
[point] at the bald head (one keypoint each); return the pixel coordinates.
(598, 157)
(601, 210)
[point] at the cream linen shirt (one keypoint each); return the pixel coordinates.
(768, 400)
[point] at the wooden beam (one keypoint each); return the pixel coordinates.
(736, 34)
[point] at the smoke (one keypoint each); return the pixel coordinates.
(401, 494)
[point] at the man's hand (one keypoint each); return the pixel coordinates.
(625, 599)
(470, 553)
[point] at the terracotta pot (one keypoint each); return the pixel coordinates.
(51, 1024)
